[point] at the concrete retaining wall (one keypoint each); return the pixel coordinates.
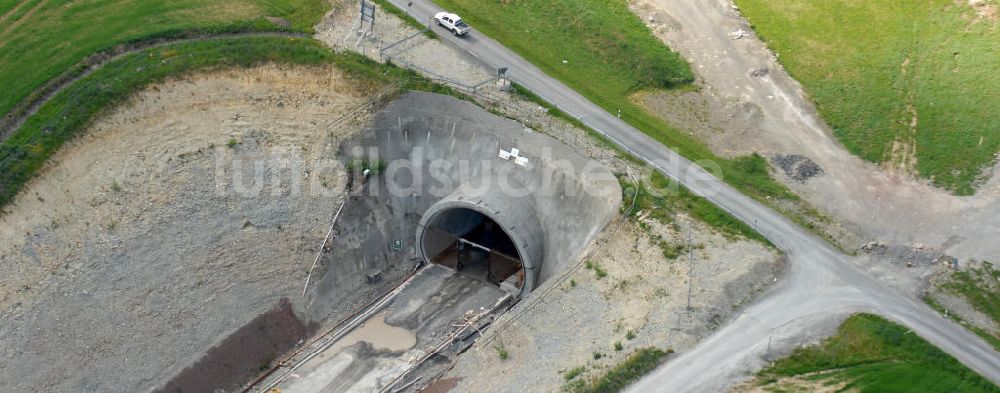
(432, 145)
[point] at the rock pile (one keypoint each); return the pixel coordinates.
(797, 167)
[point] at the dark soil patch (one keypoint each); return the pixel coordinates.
(244, 354)
(796, 167)
(441, 386)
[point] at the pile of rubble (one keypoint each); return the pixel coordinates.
(913, 254)
(797, 167)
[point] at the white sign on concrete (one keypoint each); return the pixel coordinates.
(514, 153)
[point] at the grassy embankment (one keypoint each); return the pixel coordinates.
(663, 206)
(871, 354)
(660, 196)
(980, 287)
(41, 39)
(69, 112)
(616, 378)
(609, 54)
(894, 77)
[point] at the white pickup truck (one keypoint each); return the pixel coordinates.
(452, 22)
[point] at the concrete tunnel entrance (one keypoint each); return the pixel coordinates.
(475, 245)
(485, 233)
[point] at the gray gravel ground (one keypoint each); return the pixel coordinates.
(643, 296)
(131, 254)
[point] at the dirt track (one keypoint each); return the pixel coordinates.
(878, 203)
(135, 239)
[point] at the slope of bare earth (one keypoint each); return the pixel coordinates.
(176, 219)
(638, 300)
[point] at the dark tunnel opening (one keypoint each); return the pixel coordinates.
(475, 245)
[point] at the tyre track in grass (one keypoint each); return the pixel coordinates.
(12, 10)
(23, 18)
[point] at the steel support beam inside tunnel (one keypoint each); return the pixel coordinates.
(484, 251)
(485, 229)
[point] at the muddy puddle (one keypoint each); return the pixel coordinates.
(380, 335)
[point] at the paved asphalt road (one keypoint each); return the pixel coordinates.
(822, 283)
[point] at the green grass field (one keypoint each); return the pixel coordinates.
(921, 77)
(871, 354)
(40, 39)
(606, 47)
(609, 55)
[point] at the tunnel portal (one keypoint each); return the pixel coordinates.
(494, 198)
(482, 231)
(473, 244)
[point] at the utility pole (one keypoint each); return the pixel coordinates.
(690, 265)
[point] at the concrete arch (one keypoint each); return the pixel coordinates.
(516, 216)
